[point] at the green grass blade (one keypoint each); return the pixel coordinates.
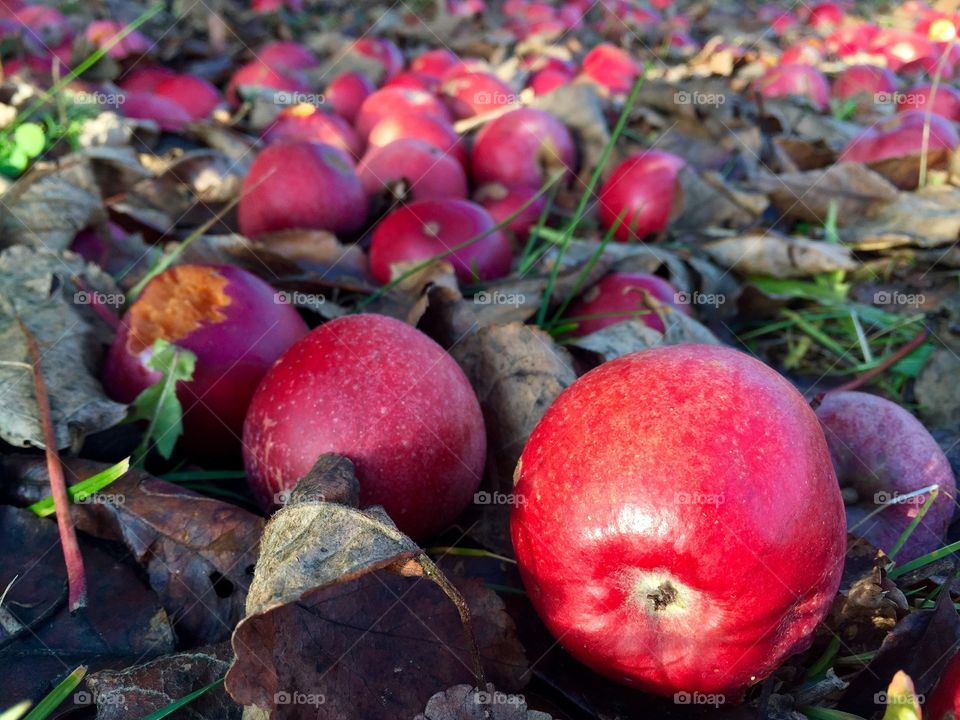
(16, 712)
(908, 531)
(185, 700)
(55, 697)
(84, 488)
(919, 562)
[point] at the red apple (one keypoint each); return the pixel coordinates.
(144, 78)
(677, 525)
(423, 171)
(867, 84)
(414, 81)
(944, 702)
(436, 62)
(104, 33)
(805, 52)
(384, 395)
(612, 68)
(306, 122)
(476, 93)
(900, 47)
(287, 55)
(346, 93)
(383, 51)
(299, 184)
(231, 320)
(502, 201)
(166, 113)
(523, 147)
(194, 94)
(264, 7)
(795, 79)
(883, 452)
(429, 228)
(432, 130)
(395, 101)
(945, 102)
(623, 296)
(852, 39)
(825, 16)
(45, 25)
(548, 80)
(256, 75)
(641, 191)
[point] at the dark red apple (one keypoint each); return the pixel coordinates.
(945, 102)
(257, 76)
(419, 170)
(197, 96)
(384, 395)
(231, 320)
(166, 113)
(796, 80)
(287, 55)
(883, 452)
(612, 68)
(432, 130)
(678, 526)
(944, 702)
(301, 185)
(868, 85)
(429, 228)
(642, 192)
(144, 78)
(476, 93)
(306, 122)
(393, 102)
(346, 93)
(414, 81)
(621, 296)
(523, 147)
(502, 201)
(436, 62)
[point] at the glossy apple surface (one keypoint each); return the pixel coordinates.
(423, 171)
(307, 122)
(523, 147)
(621, 296)
(641, 191)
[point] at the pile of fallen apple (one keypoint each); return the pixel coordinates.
(680, 525)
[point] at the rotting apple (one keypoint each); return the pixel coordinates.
(882, 452)
(197, 96)
(795, 80)
(620, 296)
(307, 122)
(429, 228)
(416, 169)
(677, 522)
(642, 192)
(235, 325)
(346, 93)
(945, 102)
(433, 130)
(523, 147)
(387, 397)
(301, 185)
(396, 101)
(502, 201)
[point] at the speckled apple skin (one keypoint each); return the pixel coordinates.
(641, 191)
(232, 357)
(619, 294)
(692, 463)
(883, 451)
(384, 395)
(944, 702)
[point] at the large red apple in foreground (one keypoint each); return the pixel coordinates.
(386, 396)
(235, 325)
(678, 525)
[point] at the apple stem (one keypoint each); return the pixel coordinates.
(881, 367)
(76, 576)
(435, 574)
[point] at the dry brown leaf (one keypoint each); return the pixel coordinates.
(708, 201)
(464, 702)
(769, 253)
(927, 218)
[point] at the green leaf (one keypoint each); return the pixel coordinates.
(174, 706)
(84, 488)
(14, 162)
(55, 697)
(159, 403)
(30, 139)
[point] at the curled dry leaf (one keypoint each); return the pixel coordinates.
(465, 702)
(142, 689)
(633, 335)
(708, 201)
(800, 121)
(408, 300)
(330, 618)
(40, 641)
(41, 288)
(929, 217)
(856, 190)
(198, 551)
(779, 256)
